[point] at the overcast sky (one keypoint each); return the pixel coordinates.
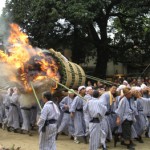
(2, 4)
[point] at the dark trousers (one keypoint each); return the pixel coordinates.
(126, 129)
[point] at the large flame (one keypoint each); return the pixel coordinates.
(19, 54)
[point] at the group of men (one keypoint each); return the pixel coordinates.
(122, 112)
(14, 116)
(85, 115)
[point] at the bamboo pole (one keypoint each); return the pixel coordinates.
(68, 89)
(36, 96)
(145, 69)
(98, 79)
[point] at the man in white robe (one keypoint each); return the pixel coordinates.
(48, 123)
(96, 112)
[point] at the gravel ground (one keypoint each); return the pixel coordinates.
(7, 139)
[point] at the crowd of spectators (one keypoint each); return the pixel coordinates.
(132, 81)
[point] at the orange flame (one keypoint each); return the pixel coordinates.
(20, 53)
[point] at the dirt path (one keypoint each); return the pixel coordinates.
(64, 143)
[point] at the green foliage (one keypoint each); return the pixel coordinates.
(131, 36)
(86, 26)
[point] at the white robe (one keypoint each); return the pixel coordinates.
(47, 138)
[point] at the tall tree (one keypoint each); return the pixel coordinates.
(87, 25)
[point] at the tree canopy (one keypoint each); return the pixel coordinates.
(116, 29)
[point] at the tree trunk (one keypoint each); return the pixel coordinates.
(101, 63)
(101, 45)
(76, 46)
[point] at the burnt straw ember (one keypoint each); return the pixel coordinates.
(12, 148)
